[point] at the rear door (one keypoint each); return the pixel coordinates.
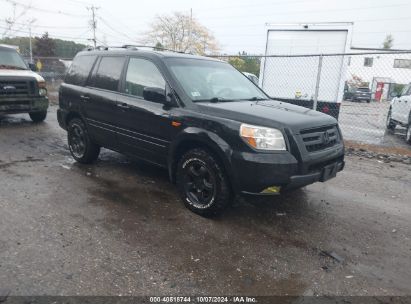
(144, 126)
(99, 100)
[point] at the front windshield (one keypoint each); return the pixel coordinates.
(10, 59)
(207, 80)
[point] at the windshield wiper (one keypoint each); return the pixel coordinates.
(255, 98)
(6, 66)
(214, 100)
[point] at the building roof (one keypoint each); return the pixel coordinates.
(379, 49)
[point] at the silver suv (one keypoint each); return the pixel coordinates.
(21, 90)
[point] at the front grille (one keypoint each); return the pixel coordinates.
(319, 166)
(16, 88)
(317, 139)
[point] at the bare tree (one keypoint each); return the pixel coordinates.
(181, 32)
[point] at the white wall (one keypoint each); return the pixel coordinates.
(383, 66)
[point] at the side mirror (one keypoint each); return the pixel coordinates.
(33, 67)
(155, 94)
(395, 94)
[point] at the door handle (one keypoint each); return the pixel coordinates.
(85, 98)
(123, 105)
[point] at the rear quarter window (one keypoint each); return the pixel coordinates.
(80, 69)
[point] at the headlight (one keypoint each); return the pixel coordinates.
(42, 92)
(263, 138)
(42, 88)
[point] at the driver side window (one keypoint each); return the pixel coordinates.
(142, 73)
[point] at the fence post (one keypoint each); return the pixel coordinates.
(317, 84)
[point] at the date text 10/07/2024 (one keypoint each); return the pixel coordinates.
(203, 299)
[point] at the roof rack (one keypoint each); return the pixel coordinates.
(132, 47)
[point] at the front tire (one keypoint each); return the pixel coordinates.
(390, 124)
(202, 183)
(408, 135)
(38, 116)
(81, 147)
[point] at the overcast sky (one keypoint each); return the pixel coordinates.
(238, 25)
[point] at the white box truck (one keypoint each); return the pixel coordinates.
(300, 67)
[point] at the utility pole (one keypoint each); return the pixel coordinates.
(190, 32)
(31, 45)
(93, 23)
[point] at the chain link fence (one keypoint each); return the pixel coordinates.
(53, 70)
(362, 90)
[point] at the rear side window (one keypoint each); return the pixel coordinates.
(109, 72)
(80, 69)
(142, 73)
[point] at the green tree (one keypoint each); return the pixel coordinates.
(246, 63)
(158, 47)
(44, 46)
(388, 42)
(64, 48)
(237, 62)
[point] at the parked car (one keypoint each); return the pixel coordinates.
(216, 138)
(21, 90)
(400, 112)
(252, 77)
(358, 94)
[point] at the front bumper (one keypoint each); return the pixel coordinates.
(14, 105)
(361, 97)
(255, 172)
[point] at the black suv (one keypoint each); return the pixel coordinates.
(216, 132)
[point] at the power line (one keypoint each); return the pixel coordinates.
(27, 6)
(111, 17)
(49, 26)
(312, 11)
(114, 30)
(51, 35)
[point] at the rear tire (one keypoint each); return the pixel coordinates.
(38, 116)
(202, 183)
(81, 147)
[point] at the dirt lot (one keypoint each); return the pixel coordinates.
(118, 227)
(365, 122)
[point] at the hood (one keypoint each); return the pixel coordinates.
(269, 113)
(20, 73)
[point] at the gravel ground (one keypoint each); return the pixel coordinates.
(118, 227)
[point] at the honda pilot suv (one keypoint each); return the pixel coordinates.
(214, 130)
(21, 90)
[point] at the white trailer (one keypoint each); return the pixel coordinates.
(295, 70)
